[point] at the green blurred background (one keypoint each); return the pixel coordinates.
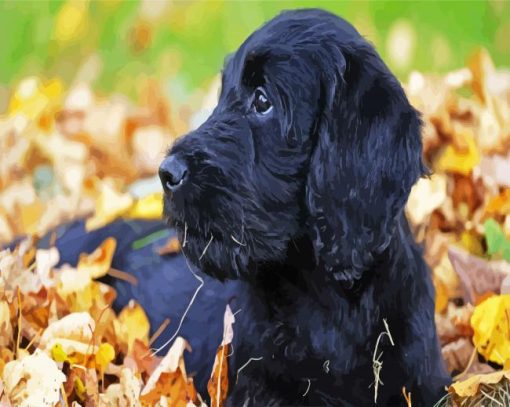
(183, 43)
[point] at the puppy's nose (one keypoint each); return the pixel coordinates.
(172, 173)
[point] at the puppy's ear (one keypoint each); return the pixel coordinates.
(367, 156)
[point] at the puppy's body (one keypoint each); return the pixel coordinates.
(295, 189)
(315, 344)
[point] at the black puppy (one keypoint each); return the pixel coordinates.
(296, 186)
(289, 203)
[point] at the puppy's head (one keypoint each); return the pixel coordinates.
(312, 136)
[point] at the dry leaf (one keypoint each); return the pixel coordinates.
(426, 195)
(172, 246)
(33, 381)
(217, 386)
(457, 354)
(149, 207)
(461, 162)
(74, 333)
(110, 204)
(169, 379)
(469, 387)
(491, 329)
(132, 324)
(477, 275)
(99, 261)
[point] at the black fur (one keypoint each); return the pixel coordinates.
(304, 205)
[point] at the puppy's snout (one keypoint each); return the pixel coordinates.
(173, 173)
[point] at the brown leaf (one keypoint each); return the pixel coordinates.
(457, 354)
(477, 276)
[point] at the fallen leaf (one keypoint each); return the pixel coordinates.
(462, 162)
(172, 246)
(110, 204)
(99, 261)
(132, 324)
(469, 387)
(217, 387)
(169, 379)
(491, 329)
(104, 355)
(477, 276)
(33, 381)
(497, 243)
(457, 354)
(149, 207)
(74, 333)
(426, 195)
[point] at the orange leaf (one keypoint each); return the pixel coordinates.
(99, 261)
(218, 383)
(172, 246)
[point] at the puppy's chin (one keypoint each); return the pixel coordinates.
(214, 255)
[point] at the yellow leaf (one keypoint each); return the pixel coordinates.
(99, 261)
(32, 98)
(132, 324)
(491, 328)
(104, 355)
(471, 243)
(58, 353)
(469, 387)
(441, 295)
(149, 207)
(461, 162)
(110, 204)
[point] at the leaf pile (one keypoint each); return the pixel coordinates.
(62, 344)
(462, 214)
(69, 153)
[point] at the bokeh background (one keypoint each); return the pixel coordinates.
(115, 44)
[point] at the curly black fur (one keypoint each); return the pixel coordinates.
(304, 206)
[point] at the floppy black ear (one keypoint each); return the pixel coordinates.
(368, 154)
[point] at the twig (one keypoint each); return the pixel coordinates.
(492, 398)
(407, 396)
(122, 275)
(64, 395)
(158, 332)
(201, 280)
(376, 359)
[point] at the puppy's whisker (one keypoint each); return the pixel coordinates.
(185, 234)
(206, 247)
(246, 364)
(237, 241)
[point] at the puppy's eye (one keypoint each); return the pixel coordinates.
(261, 103)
